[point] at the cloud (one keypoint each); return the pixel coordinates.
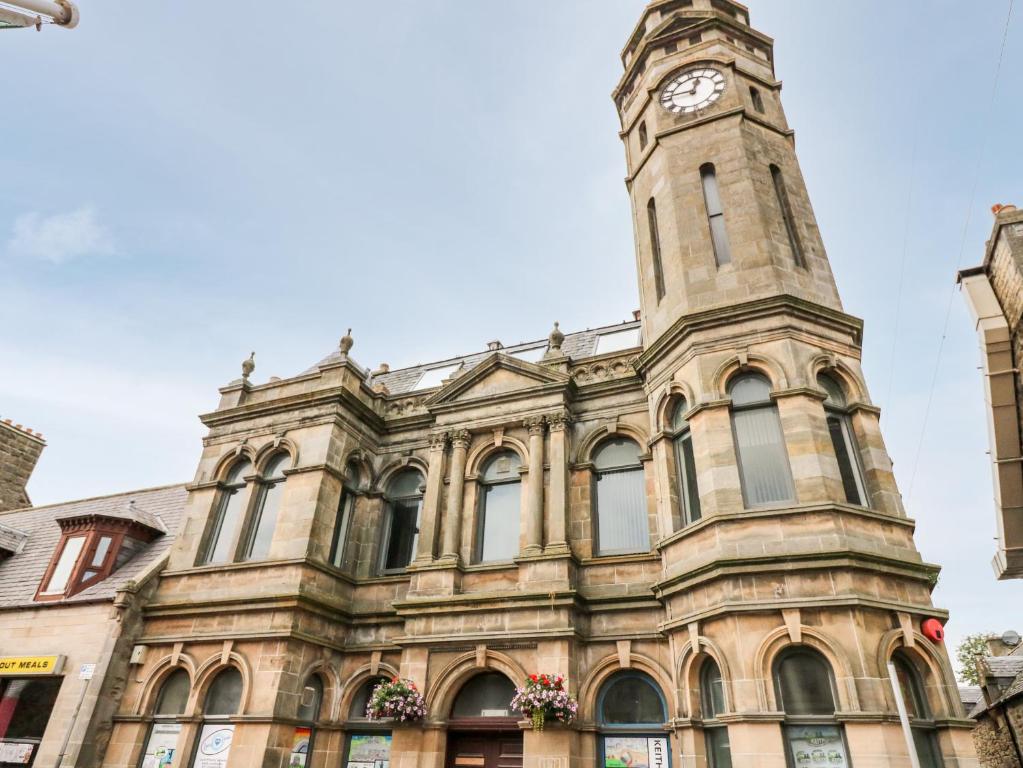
(60, 237)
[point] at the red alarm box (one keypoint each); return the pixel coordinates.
(933, 630)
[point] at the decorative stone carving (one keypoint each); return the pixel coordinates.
(438, 441)
(534, 424)
(461, 438)
(559, 422)
(554, 342)
(346, 343)
(248, 366)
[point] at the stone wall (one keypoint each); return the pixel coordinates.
(19, 452)
(994, 742)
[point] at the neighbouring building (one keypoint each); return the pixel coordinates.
(20, 448)
(998, 710)
(691, 517)
(994, 293)
(74, 578)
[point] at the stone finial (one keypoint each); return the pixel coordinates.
(556, 338)
(346, 343)
(249, 366)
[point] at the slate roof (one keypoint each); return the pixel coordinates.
(1002, 667)
(20, 574)
(578, 345)
(970, 694)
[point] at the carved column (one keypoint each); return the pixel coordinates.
(534, 511)
(557, 531)
(453, 519)
(427, 548)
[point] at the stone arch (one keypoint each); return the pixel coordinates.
(154, 680)
(690, 665)
(393, 468)
(584, 453)
(355, 681)
(589, 691)
(441, 696)
(665, 408)
(358, 458)
(273, 449)
(851, 381)
(752, 363)
(936, 664)
(228, 459)
(780, 640)
(209, 669)
(479, 454)
(331, 680)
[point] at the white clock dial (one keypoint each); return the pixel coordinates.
(693, 90)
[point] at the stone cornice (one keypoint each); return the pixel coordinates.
(323, 397)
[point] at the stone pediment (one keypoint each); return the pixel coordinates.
(499, 375)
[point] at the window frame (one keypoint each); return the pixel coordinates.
(482, 484)
(263, 485)
(840, 412)
(791, 722)
(710, 723)
(681, 436)
(595, 475)
(156, 719)
(719, 239)
(388, 526)
(654, 232)
(630, 730)
(768, 404)
(781, 194)
(226, 490)
(923, 723)
(205, 718)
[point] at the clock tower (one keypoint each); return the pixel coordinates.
(721, 212)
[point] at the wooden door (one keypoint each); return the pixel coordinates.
(485, 750)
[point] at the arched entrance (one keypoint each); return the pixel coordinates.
(483, 731)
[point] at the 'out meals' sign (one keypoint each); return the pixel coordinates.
(31, 665)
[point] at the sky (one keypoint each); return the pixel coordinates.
(184, 183)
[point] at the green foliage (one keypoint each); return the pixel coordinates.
(967, 652)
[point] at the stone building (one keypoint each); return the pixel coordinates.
(20, 449)
(998, 711)
(691, 517)
(994, 293)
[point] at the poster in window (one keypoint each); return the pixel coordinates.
(300, 748)
(813, 746)
(214, 745)
(162, 746)
(369, 751)
(635, 752)
(15, 753)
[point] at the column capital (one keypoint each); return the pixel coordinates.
(559, 422)
(438, 441)
(460, 438)
(535, 425)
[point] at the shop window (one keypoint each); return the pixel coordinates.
(165, 730)
(921, 719)
(268, 508)
(712, 704)
(805, 691)
(498, 518)
(25, 708)
(223, 699)
(370, 744)
(842, 440)
(759, 442)
(401, 528)
(620, 510)
(631, 715)
(685, 465)
(228, 517)
(345, 512)
(486, 695)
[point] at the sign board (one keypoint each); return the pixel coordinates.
(369, 751)
(636, 752)
(214, 745)
(162, 746)
(31, 665)
(86, 671)
(817, 746)
(300, 747)
(15, 753)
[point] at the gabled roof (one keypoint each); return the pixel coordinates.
(20, 574)
(527, 375)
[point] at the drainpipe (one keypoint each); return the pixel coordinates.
(32, 13)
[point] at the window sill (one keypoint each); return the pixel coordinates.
(612, 559)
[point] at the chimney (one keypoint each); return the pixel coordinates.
(20, 448)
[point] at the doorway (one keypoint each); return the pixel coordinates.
(498, 749)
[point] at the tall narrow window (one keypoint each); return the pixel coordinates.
(620, 514)
(715, 215)
(164, 731)
(404, 500)
(806, 694)
(309, 706)
(642, 136)
(631, 717)
(65, 565)
(655, 247)
(757, 99)
(264, 519)
(343, 521)
(230, 511)
(786, 214)
(685, 465)
(223, 700)
(712, 704)
(500, 492)
(917, 707)
(842, 440)
(759, 442)
(371, 743)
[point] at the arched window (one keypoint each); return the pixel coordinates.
(309, 706)
(786, 213)
(685, 465)
(712, 704)
(264, 518)
(500, 494)
(921, 720)
(401, 530)
(715, 215)
(643, 140)
(487, 695)
(757, 99)
(343, 520)
(162, 739)
(631, 715)
(842, 440)
(805, 691)
(620, 510)
(223, 700)
(759, 442)
(655, 247)
(223, 535)
(371, 743)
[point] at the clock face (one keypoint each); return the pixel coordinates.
(692, 91)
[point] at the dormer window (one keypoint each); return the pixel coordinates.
(61, 574)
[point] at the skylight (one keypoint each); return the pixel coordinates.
(616, 341)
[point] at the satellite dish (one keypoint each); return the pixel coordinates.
(1011, 638)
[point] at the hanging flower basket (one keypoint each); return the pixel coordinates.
(396, 699)
(543, 698)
